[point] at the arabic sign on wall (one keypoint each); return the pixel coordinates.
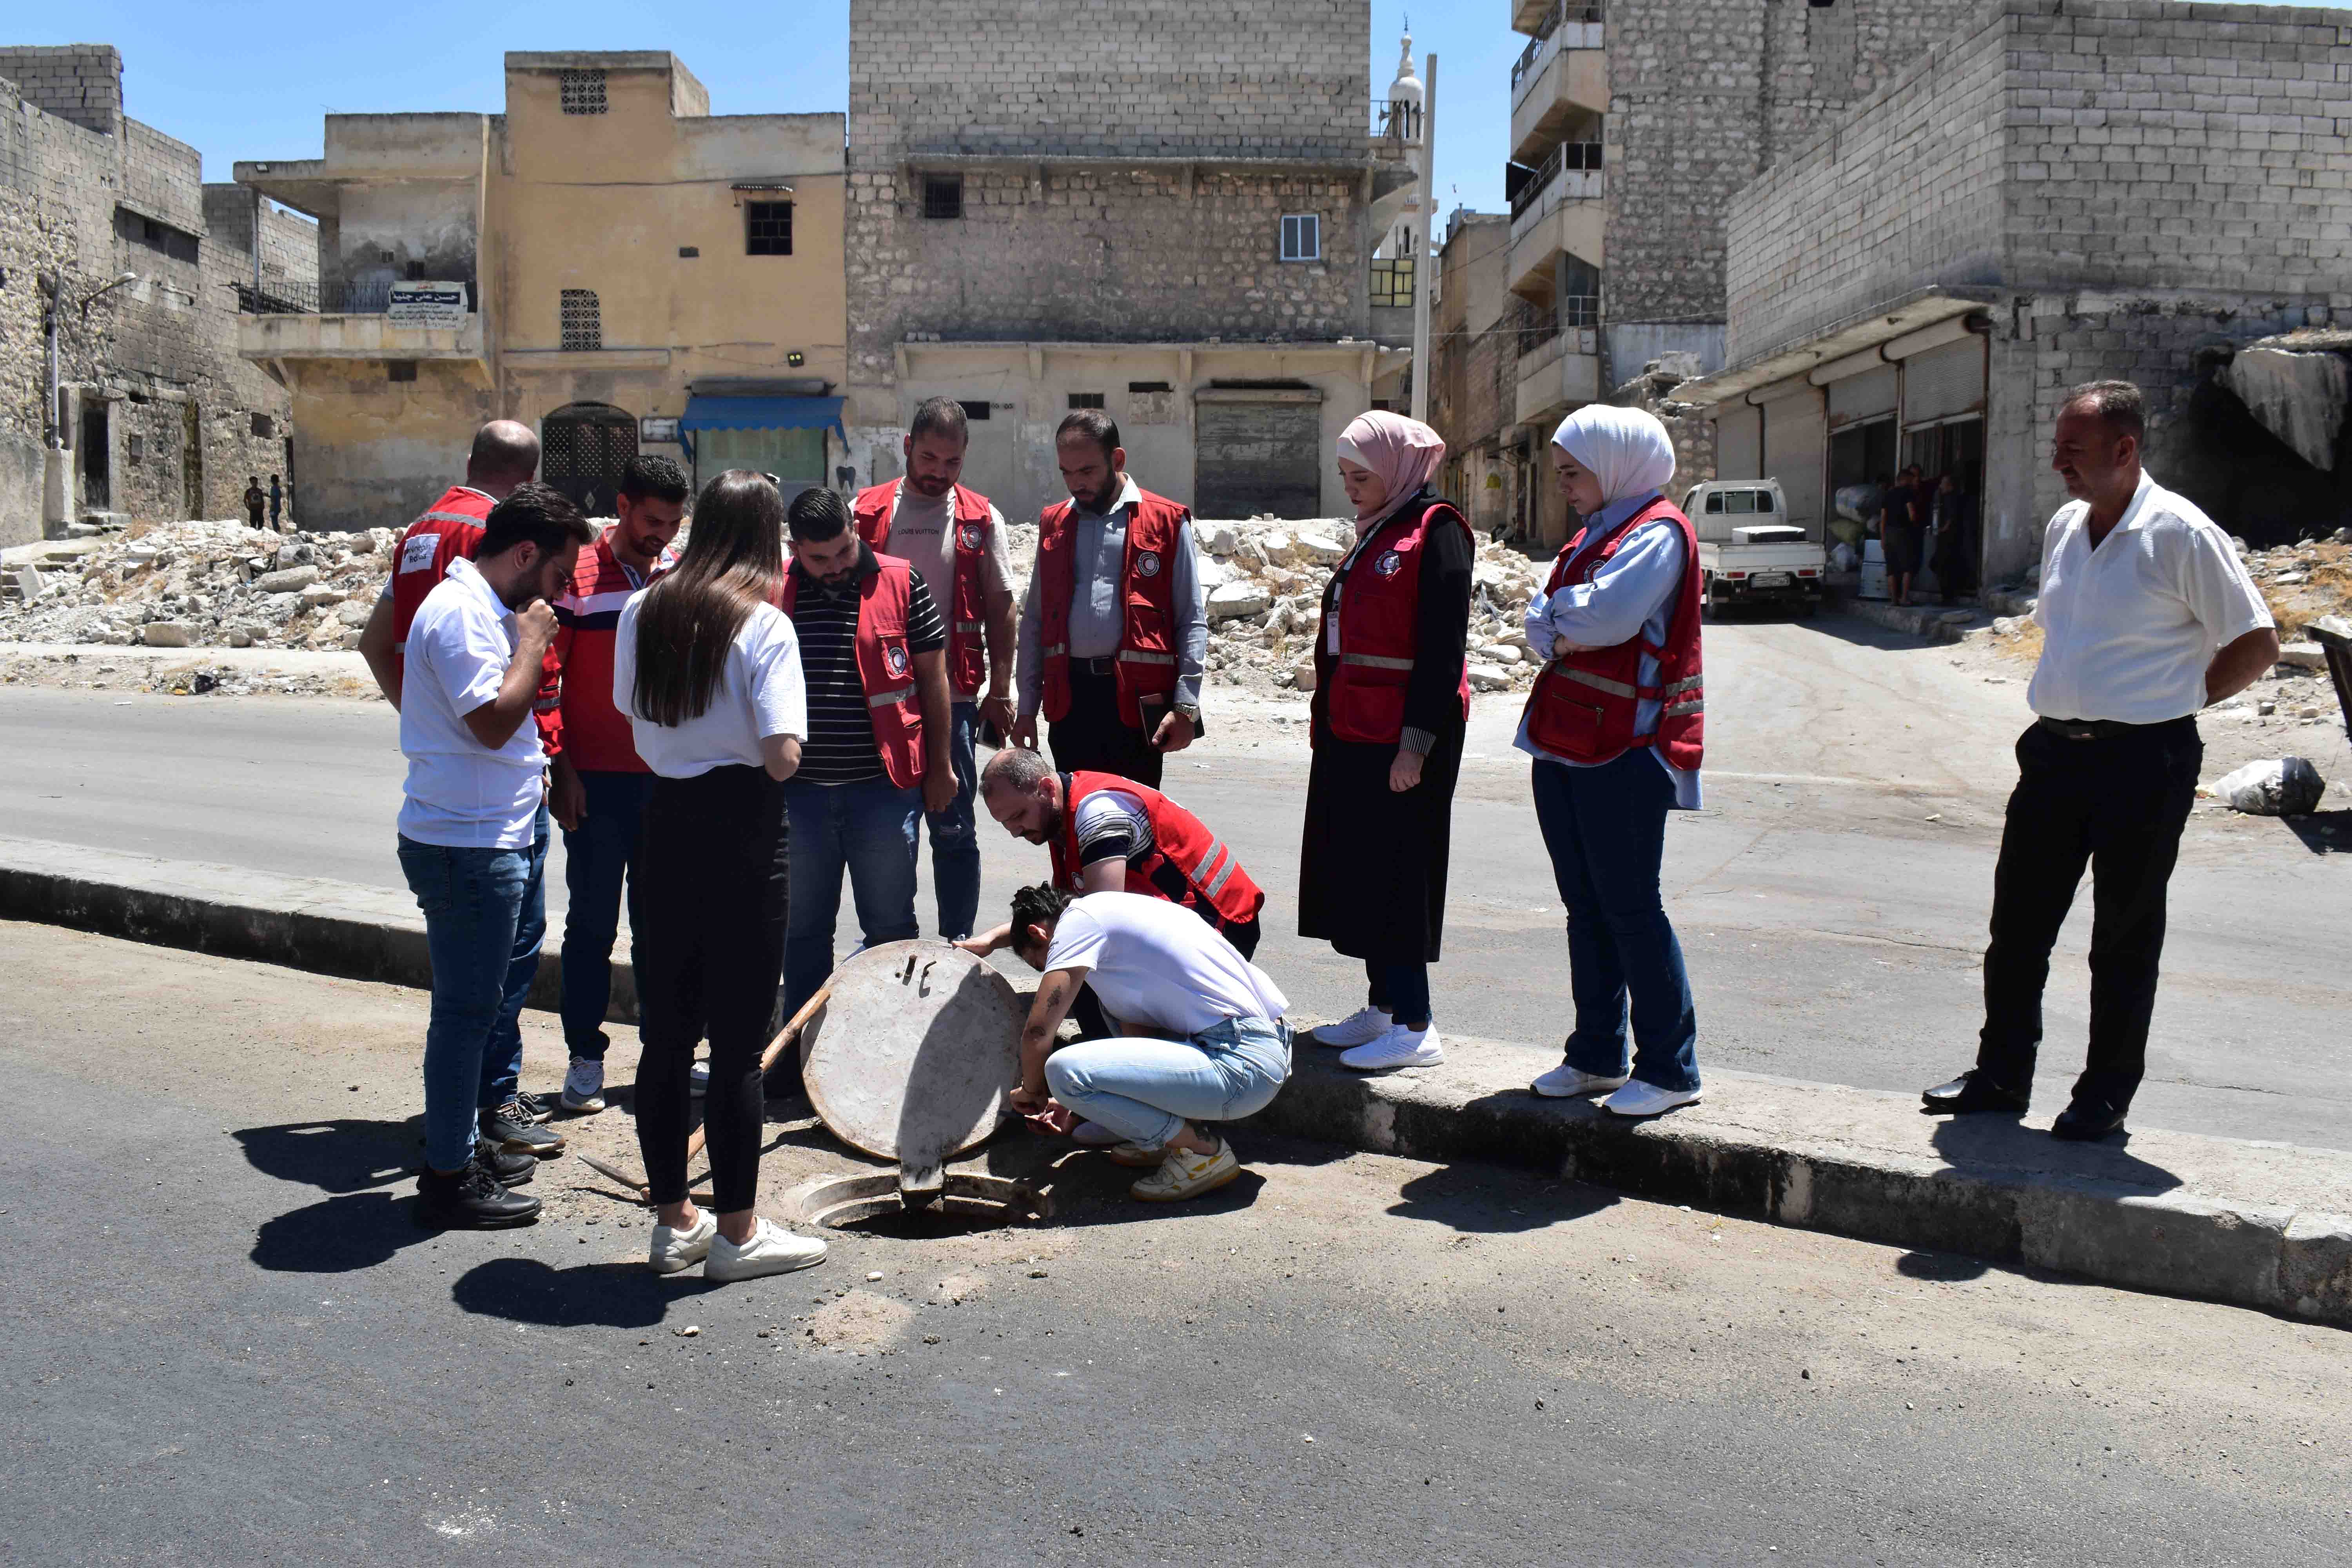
(428, 305)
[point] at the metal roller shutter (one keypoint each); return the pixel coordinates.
(1795, 439)
(1258, 455)
(1739, 445)
(1944, 382)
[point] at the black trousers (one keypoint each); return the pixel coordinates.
(714, 879)
(2116, 803)
(1093, 736)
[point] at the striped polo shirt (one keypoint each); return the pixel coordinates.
(840, 748)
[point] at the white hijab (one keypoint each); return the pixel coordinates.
(1627, 449)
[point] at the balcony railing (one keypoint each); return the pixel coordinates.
(1396, 120)
(1528, 189)
(1392, 279)
(364, 298)
(1562, 13)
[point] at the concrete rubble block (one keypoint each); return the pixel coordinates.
(2303, 655)
(2318, 1266)
(1220, 538)
(354, 612)
(323, 593)
(2179, 1243)
(1302, 674)
(1320, 550)
(1235, 600)
(168, 634)
(286, 579)
(294, 552)
(1214, 573)
(1489, 678)
(1280, 547)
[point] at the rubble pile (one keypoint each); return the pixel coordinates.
(205, 584)
(1264, 580)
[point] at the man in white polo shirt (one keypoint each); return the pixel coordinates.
(2147, 615)
(473, 844)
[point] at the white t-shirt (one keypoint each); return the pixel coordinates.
(2128, 628)
(918, 535)
(760, 693)
(462, 794)
(1158, 963)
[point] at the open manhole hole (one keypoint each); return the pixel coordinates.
(964, 1200)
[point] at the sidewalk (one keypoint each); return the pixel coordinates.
(2267, 1225)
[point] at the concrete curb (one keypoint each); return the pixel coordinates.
(2255, 1225)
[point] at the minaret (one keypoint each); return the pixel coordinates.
(1406, 89)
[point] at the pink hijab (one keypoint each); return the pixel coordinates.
(1403, 452)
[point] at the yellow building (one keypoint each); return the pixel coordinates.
(607, 261)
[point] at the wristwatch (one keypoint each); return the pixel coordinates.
(1191, 712)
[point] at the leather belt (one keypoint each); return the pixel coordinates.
(2099, 729)
(1108, 665)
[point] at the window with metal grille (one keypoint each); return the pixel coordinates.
(1302, 236)
(767, 228)
(400, 370)
(1085, 400)
(943, 195)
(974, 410)
(583, 320)
(583, 92)
(1391, 281)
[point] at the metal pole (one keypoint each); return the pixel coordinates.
(1425, 264)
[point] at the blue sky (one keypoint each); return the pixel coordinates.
(251, 81)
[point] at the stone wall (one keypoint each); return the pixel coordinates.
(1707, 94)
(187, 419)
(1906, 193)
(1228, 78)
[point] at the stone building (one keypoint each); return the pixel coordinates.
(1170, 214)
(112, 246)
(607, 261)
(1475, 368)
(2056, 193)
(1633, 124)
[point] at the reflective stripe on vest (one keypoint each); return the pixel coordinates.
(884, 700)
(1600, 682)
(1375, 661)
(1136, 656)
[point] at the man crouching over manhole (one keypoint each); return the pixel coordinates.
(1201, 1038)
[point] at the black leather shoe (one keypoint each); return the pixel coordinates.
(2086, 1121)
(472, 1199)
(1971, 1093)
(511, 1127)
(511, 1167)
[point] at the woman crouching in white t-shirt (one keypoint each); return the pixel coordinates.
(709, 672)
(1200, 1037)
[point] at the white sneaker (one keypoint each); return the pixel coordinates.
(1565, 1083)
(1138, 1156)
(1361, 1027)
(583, 1085)
(698, 1081)
(675, 1249)
(1094, 1135)
(1639, 1098)
(1187, 1176)
(1399, 1047)
(772, 1249)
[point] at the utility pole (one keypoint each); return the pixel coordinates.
(1425, 262)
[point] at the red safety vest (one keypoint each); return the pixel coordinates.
(1380, 598)
(1147, 640)
(886, 665)
(968, 607)
(1583, 704)
(1188, 864)
(449, 529)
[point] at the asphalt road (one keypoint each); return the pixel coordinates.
(222, 1340)
(1831, 897)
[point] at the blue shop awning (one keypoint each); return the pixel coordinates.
(764, 413)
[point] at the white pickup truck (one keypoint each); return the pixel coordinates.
(1748, 551)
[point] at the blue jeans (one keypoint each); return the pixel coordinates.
(598, 856)
(1606, 829)
(955, 848)
(1145, 1089)
(484, 914)
(869, 829)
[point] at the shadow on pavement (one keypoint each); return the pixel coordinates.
(1999, 1144)
(2323, 832)
(1471, 1199)
(595, 1295)
(358, 1230)
(1942, 1268)
(342, 1155)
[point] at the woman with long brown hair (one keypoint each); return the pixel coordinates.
(709, 672)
